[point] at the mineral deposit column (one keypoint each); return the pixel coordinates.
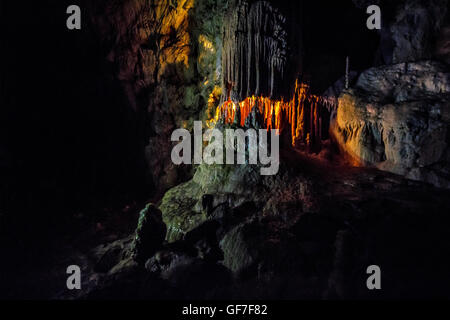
(262, 49)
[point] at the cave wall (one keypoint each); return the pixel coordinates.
(395, 116)
(204, 51)
(262, 48)
(178, 73)
(127, 100)
(166, 56)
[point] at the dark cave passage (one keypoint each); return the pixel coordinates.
(332, 31)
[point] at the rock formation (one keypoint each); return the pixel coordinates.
(231, 188)
(150, 234)
(224, 231)
(167, 61)
(305, 234)
(262, 44)
(397, 119)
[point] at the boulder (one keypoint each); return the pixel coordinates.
(228, 188)
(397, 118)
(108, 256)
(443, 44)
(188, 277)
(240, 247)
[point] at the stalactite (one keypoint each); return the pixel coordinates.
(255, 46)
(347, 70)
(302, 114)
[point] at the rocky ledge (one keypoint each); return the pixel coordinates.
(397, 119)
(310, 232)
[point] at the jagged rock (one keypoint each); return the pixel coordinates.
(336, 89)
(205, 241)
(167, 65)
(273, 247)
(265, 248)
(182, 206)
(164, 262)
(332, 93)
(397, 119)
(240, 247)
(413, 28)
(443, 44)
(232, 187)
(108, 256)
(150, 233)
(406, 82)
(190, 277)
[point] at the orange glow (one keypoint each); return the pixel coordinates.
(173, 20)
(278, 114)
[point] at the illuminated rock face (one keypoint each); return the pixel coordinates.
(261, 60)
(397, 118)
(166, 58)
(303, 117)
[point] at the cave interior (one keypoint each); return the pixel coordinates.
(85, 149)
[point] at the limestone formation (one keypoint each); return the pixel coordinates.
(397, 118)
(261, 49)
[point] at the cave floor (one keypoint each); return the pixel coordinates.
(395, 222)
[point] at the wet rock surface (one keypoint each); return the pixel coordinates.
(166, 60)
(397, 119)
